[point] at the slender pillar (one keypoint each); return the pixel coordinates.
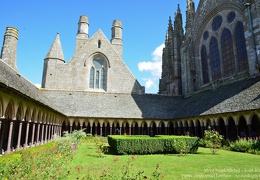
(38, 133)
(10, 137)
(70, 128)
(100, 130)
(237, 130)
(196, 130)
(33, 130)
(0, 126)
(46, 132)
(42, 137)
(49, 132)
(81, 127)
(129, 131)
(120, 130)
(111, 131)
(19, 135)
(91, 130)
(26, 136)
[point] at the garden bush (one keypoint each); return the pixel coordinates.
(241, 145)
(150, 145)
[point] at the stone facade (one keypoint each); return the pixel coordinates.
(96, 66)
(221, 47)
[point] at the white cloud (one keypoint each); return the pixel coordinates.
(38, 85)
(154, 67)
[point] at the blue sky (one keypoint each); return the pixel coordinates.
(144, 27)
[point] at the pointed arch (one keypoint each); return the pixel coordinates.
(9, 112)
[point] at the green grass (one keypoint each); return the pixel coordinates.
(204, 165)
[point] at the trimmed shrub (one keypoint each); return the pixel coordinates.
(242, 145)
(150, 145)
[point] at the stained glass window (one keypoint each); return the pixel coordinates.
(228, 58)
(204, 62)
(214, 59)
(216, 24)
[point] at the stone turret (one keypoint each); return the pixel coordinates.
(116, 39)
(52, 59)
(190, 13)
(8, 54)
(82, 35)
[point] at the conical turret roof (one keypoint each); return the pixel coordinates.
(55, 51)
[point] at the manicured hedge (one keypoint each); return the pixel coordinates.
(150, 145)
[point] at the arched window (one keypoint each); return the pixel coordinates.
(214, 59)
(241, 47)
(92, 76)
(204, 62)
(228, 58)
(98, 75)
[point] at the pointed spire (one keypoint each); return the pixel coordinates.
(55, 51)
(170, 23)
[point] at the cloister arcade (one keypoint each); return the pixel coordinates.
(25, 123)
(229, 125)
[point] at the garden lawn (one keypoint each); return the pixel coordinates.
(224, 165)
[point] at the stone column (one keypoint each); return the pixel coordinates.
(91, 130)
(196, 130)
(10, 137)
(100, 130)
(70, 128)
(237, 129)
(81, 127)
(0, 125)
(26, 136)
(42, 138)
(49, 132)
(38, 133)
(111, 131)
(33, 130)
(19, 135)
(129, 131)
(120, 130)
(46, 132)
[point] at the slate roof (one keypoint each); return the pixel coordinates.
(238, 96)
(13, 80)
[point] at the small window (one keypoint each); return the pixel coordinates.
(99, 44)
(231, 17)
(217, 22)
(205, 35)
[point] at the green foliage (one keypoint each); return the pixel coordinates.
(241, 145)
(47, 161)
(151, 145)
(180, 146)
(212, 140)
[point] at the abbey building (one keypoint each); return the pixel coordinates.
(210, 77)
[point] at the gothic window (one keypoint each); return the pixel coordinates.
(98, 75)
(214, 59)
(92, 76)
(231, 16)
(204, 62)
(216, 24)
(241, 47)
(228, 58)
(205, 35)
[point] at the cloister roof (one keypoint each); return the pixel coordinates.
(13, 80)
(238, 96)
